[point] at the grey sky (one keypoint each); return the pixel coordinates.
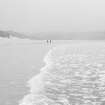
(52, 15)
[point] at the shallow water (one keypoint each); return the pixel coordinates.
(20, 60)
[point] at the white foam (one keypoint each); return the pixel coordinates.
(52, 71)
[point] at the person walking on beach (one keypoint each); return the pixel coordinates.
(48, 41)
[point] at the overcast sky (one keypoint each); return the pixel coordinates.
(52, 15)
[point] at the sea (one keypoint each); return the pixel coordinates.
(20, 60)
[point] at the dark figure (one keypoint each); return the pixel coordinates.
(47, 41)
(50, 41)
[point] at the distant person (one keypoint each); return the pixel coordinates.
(47, 41)
(50, 41)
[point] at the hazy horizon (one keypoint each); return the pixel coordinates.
(52, 16)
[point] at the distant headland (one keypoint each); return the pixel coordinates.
(54, 35)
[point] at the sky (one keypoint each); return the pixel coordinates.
(52, 15)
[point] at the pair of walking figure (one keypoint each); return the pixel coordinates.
(49, 41)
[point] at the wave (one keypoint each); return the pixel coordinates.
(71, 76)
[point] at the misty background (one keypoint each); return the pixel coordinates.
(35, 16)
